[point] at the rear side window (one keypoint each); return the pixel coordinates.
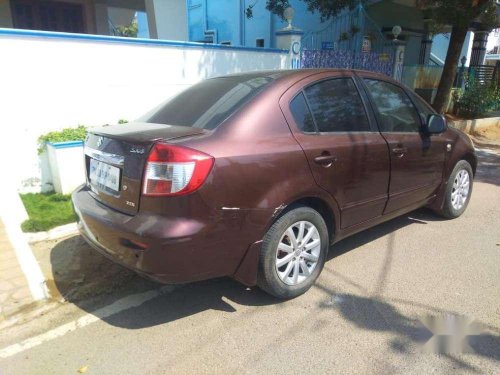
(208, 103)
(396, 111)
(301, 114)
(336, 106)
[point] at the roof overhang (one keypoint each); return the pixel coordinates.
(138, 5)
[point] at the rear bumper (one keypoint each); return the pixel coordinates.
(167, 249)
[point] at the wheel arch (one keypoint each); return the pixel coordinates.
(316, 203)
(246, 272)
(471, 158)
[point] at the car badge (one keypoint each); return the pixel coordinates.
(137, 150)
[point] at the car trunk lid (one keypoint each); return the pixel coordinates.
(115, 157)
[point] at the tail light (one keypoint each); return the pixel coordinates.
(175, 170)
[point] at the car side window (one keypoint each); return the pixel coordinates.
(301, 114)
(336, 106)
(424, 109)
(396, 111)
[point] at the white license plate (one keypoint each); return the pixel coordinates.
(102, 174)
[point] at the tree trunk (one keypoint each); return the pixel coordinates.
(457, 39)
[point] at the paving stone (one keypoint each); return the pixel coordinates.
(22, 294)
(6, 286)
(19, 281)
(12, 273)
(14, 290)
(6, 255)
(3, 297)
(6, 264)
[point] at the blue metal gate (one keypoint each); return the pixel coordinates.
(352, 40)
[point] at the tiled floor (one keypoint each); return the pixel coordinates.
(14, 291)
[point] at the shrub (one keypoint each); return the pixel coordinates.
(476, 99)
(130, 30)
(64, 135)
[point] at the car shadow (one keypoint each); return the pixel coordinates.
(420, 217)
(84, 277)
(89, 280)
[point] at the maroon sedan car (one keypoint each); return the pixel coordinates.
(254, 176)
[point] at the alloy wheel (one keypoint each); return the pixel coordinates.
(298, 252)
(460, 189)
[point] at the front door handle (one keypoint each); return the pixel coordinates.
(325, 160)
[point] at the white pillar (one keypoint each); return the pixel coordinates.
(290, 39)
(399, 58)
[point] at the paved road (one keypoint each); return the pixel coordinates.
(361, 317)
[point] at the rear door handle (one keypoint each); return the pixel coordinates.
(399, 151)
(325, 160)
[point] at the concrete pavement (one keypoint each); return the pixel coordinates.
(362, 316)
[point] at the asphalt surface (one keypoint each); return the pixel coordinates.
(363, 316)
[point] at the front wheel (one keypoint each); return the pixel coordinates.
(458, 190)
(293, 253)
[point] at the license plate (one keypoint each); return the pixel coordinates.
(104, 175)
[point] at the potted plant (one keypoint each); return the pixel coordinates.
(63, 152)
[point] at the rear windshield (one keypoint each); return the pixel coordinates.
(210, 102)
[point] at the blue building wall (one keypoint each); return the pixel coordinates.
(259, 27)
(226, 18)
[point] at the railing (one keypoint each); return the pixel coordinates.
(485, 74)
(352, 40)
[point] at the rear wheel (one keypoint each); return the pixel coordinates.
(293, 253)
(458, 190)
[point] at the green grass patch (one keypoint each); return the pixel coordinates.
(46, 211)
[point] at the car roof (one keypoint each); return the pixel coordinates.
(295, 75)
(281, 73)
(295, 72)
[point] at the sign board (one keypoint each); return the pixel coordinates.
(327, 45)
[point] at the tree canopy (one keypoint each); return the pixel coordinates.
(326, 8)
(443, 12)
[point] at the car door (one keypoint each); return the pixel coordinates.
(347, 155)
(417, 160)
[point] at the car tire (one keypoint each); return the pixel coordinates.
(456, 198)
(280, 255)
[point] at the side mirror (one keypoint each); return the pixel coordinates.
(436, 124)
